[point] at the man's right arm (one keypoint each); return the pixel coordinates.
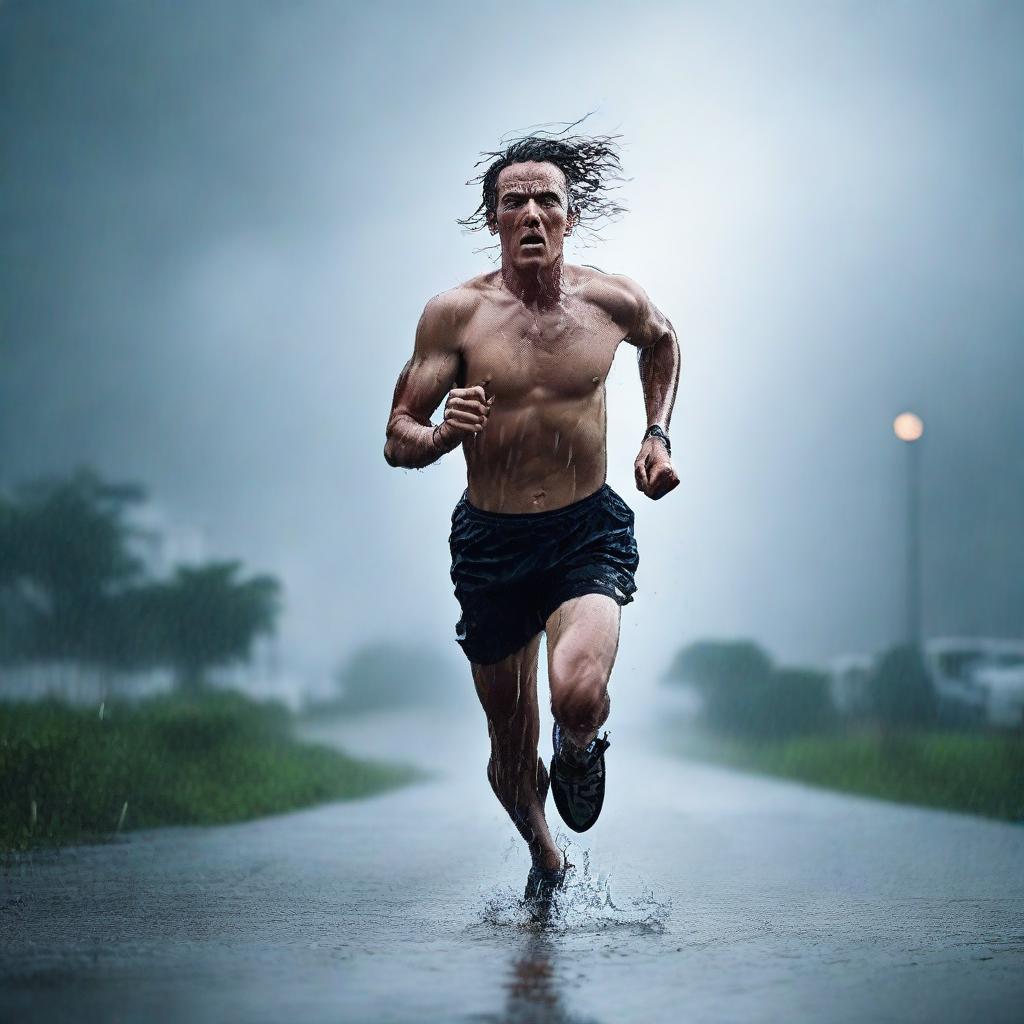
(412, 440)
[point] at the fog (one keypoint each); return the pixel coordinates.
(221, 222)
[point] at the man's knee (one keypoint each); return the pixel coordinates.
(579, 691)
(580, 710)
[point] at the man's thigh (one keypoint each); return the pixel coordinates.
(509, 687)
(583, 640)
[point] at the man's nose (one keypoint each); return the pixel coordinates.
(532, 211)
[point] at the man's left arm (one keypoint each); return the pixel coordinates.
(658, 359)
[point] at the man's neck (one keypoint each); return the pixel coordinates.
(541, 287)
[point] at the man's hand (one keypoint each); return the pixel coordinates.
(465, 412)
(653, 470)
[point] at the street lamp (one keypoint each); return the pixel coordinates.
(909, 428)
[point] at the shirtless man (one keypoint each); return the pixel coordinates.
(539, 542)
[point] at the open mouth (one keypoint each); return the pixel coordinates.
(532, 240)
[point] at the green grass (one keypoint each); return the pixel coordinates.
(974, 773)
(66, 774)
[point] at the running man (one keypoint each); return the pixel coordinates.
(539, 541)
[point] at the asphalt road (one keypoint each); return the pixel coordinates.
(702, 895)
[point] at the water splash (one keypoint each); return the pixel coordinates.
(585, 904)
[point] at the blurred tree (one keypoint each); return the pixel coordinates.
(900, 690)
(729, 676)
(72, 588)
(64, 552)
(385, 674)
(205, 617)
(132, 632)
(709, 663)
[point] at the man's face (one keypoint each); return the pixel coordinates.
(531, 216)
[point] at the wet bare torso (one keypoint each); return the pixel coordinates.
(544, 445)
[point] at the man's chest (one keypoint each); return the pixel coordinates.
(566, 353)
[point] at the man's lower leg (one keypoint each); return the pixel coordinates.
(522, 790)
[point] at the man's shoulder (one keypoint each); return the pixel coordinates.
(620, 296)
(457, 304)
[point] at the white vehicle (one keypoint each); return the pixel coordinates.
(1005, 690)
(978, 678)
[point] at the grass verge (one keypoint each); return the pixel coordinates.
(67, 774)
(973, 773)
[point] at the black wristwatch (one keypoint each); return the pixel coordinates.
(655, 431)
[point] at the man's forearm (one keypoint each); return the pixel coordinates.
(412, 445)
(659, 377)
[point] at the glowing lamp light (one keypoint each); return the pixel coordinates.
(908, 426)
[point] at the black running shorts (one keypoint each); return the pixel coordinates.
(512, 570)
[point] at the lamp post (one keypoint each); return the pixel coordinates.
(909, 428)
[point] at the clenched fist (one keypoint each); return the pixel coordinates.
(465, 412)
(653, 470)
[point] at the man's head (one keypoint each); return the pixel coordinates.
(532, 215)
(548, 181)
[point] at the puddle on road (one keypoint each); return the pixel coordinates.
(545, 974)
(585, 904)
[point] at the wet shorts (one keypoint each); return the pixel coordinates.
(512, 570)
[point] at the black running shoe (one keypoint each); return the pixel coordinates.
(577, 781)
(541, 886)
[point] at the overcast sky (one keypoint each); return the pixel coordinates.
(221, 222)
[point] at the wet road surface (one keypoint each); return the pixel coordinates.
(702, 895)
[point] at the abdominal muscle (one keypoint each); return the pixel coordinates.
(538, 457)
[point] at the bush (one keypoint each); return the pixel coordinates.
(217, 719)
(794, 702)
(713, 664)
(900, 690)
(728, 675)
(743, 694)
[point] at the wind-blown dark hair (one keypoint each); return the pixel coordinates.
(590, 164)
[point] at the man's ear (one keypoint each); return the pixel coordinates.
(570, 222)
(492, 223)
